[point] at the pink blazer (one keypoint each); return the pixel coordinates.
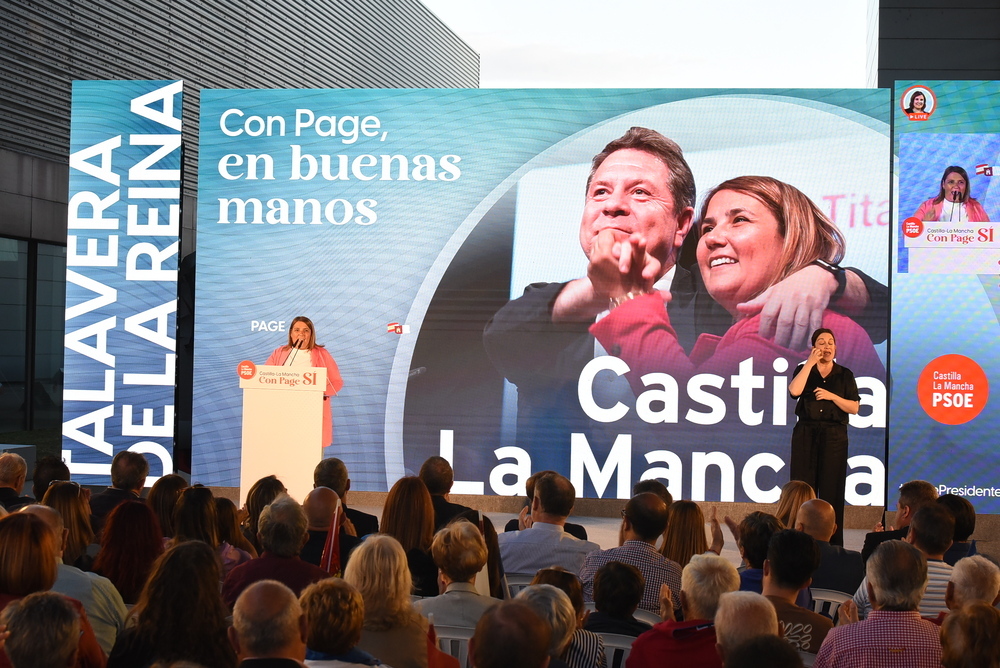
(320, 357)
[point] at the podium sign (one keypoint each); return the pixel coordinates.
(282, 425)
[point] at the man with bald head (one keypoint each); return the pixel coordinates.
(643, 521)
(510, 634)
(269, 628)
(319, 505)
(100, 599)
(839, 569)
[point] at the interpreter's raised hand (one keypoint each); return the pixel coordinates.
(847, 613)
(666, 603)
(824, 394)
(793, 308)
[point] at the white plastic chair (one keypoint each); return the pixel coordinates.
(518, 581)
(807, 659)
(455, 641)
(827, 601)
(616, 649)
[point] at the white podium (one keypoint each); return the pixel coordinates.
(282, 425)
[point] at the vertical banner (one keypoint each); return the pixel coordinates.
(121, 275)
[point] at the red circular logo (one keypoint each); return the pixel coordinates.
(913, 227)
(246, 369)
(953, 389)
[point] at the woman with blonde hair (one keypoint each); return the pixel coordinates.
(72, 503)
(393, 631)
(460, 552)
(793, 495)
(408, 516)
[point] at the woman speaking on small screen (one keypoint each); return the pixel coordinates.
(302, 350)
(827, 393)
(954, 202)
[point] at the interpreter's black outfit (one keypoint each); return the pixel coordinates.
(819, 440)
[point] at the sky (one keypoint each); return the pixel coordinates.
(663, 43)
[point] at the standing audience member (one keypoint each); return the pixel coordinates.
(319, 506)
(47, 469)
(180, 615)
(128, 477)
(741, 617)
(494, 567)
(685, 535)
(644, 520)
(44, 631)
(269, 627)
(618, 589)
(408, 516)
(282, 533)
(510, 634)
(964, 513)
(792, 556)
(912, 495)
(460, 553)
(393, 631)
(261, 493)
(130, 545)
(162, 499)
(228, 518)
(438, 475)
(545, 543)
(28, 565)
(335, 613)
(104, 605)
(586, 648)
(13, 473)
(970, 638)
(839, 569)
(793, 495)
(523, 519)
(70, 500)
(691, 642)
(195, 518)
(553, 606)
(332, 473)
(893, 634)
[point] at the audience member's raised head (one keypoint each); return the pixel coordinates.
(47, 469)
(566, 582)
(964, 513)
(332, 474)
(974, 579)
(792, 558)
(408, 514)
(459, 551)
(931, 530)
(618, 589)
(268, 623)
(130, 543)
(552, 605)
(319, 506)
(438, 475)
(44, 631)
(511, 634)
(756, 530)
(766, 650)
(912, 495)
(742, 616)
(970, 637)
(685, 537)
(817, 518)
(378, 570)
(656, 487)
(27, 555)
(162, 499)
(703, 581)
(554, 496)
(793, 495)
(261, 493)
(70, 500)
(283, 528)
(195, 517)
(335, 614)
(129, 470)
(498, 587)
(646, 516)
(13, 471)
(897, 576)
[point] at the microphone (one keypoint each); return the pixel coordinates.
(956, 195)
(293, 353)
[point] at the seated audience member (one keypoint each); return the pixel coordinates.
(460, 553)
(408, 516)
(510, 634)
(128, 477)
(180, 615)
(319, 506)
(28, 565)
(965, 524)
(756, 530)
(970, 638)
(261, 493)
(545, 543)
(644, 520)
(13, 473)
(47, 469)
(281, 533)
(105, 609)
(685, 535)
(438, 475)
(130, 545)
(393, 631)
(792, 556)
(44, 630)
(691, 642)
(494, 567)
(228, 526)
(586, 648)
(332, 474)
(930, 531)
(770, 651)
(839, 569)
(974, 579)
(742, 616)
(335, 613)
(553, 606)
(912, 495)
(195, 518)
(793, 495)
(893, 634)
(269, 627)
(618, 589)
(654, 486)
(69, 499)
(162, 499)
(523, 520)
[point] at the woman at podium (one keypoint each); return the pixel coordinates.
(302, 350)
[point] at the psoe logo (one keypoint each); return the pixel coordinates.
(246, 369)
